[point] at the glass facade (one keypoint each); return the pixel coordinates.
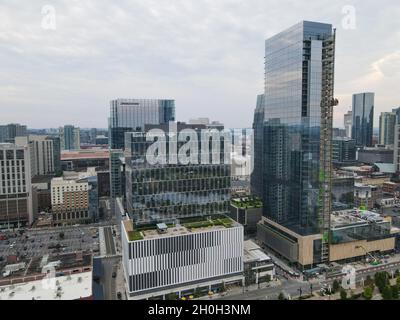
(387, 122)
(128, 115)
(287, 171)
(357, 232)
(163, 191)
(363, 118)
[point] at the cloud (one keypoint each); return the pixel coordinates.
(207, 54)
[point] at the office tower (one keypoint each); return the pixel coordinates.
(116, 173)
(10, 131)
(348, 123)
(293, 130)
(396, 151)
(70, 138)
(363, 119)
(338, 133)
(173, 190)
(128, 115)
(177, 209)
(387, 122)
(56, 153)
(43, 154)
(343, 150)
(15, 186)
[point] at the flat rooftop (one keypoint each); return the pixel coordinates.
(253, 252)
(36, 265)
(247, 202)
(71, 287)
(85, 154)
(350, 217)
(184, 226)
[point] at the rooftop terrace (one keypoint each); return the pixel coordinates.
(354, 217)
(183, 226)
(247, 202)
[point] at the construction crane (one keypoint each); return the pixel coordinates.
(375, 260)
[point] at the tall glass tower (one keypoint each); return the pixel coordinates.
(363, 118)
(293, 130)
(157, 192)
(128, 115)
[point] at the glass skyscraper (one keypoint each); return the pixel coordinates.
(387, 122)
(363, 118)
(157, 192)
(128, 115)
(293, 129)
(70, 138)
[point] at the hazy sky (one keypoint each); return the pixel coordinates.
(206, 54)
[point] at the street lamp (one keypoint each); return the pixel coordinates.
(300, 292)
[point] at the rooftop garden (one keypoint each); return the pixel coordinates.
(206, 221)
(247, 202)
(189, 223)
(134, 235)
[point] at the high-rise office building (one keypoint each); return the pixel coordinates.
(293, 140)
(173, 190)
(387, 122)
(348, 123)
(44, 154)
(70, 138)
(128, 115)
(178, 210)
(10, 131)
(396, 147)
(15, 186)
(363, 119)
(343, 150)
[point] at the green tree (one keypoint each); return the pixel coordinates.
(398, 281)
(343, 294)
(381, 280)
(368, 293)
(335, 286)
(369, 282)
(387, 293)
(395, 292)
(281, 296)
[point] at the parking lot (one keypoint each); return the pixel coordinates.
(38, 242)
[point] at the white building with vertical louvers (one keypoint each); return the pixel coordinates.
(162, 257)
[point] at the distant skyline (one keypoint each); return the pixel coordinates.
(206, 54)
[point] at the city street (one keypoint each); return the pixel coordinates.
(108, 281)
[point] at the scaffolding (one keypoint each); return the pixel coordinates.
(327, 103)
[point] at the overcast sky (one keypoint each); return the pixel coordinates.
(206, 54)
